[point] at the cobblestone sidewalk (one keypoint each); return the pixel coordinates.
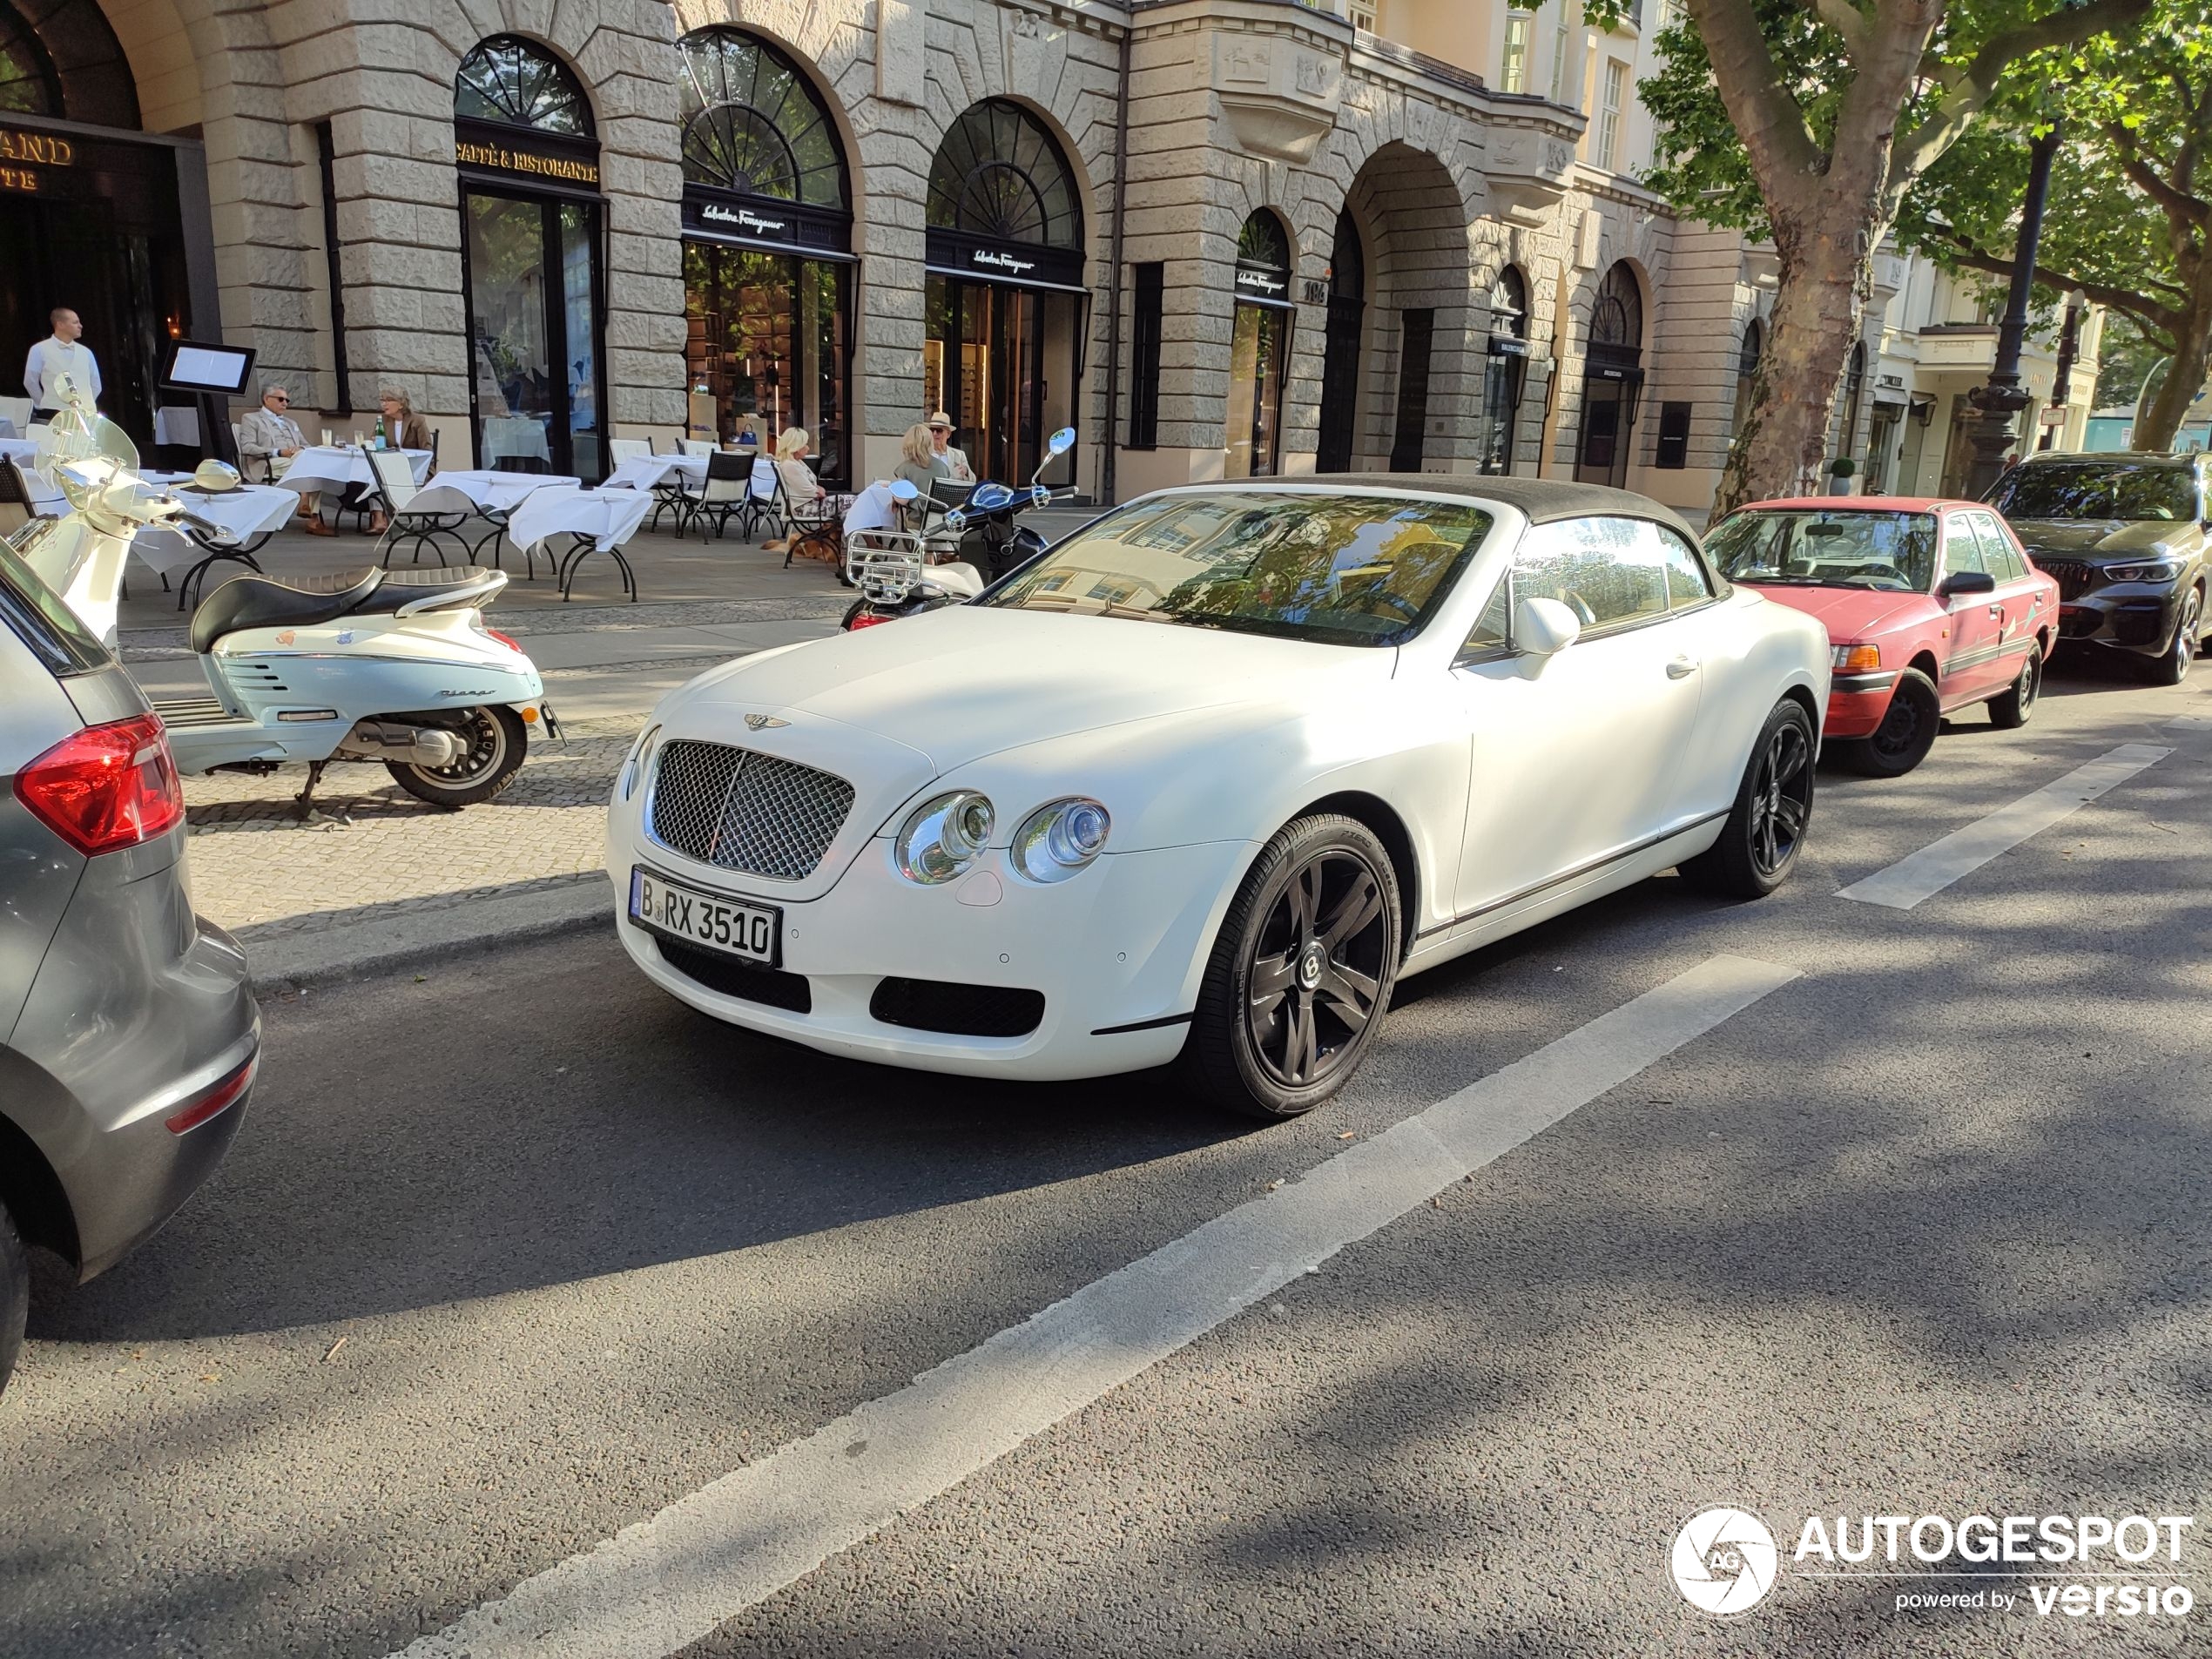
(372, 850)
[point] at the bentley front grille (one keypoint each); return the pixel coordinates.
(745, 811)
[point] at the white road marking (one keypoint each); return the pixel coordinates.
(1964, 851)
(660, 1585)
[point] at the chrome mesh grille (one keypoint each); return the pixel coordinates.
(746, 811)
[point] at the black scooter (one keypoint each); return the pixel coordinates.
(990, 545)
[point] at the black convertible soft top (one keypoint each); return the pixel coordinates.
(1541, 499)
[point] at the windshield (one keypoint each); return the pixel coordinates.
(1337, 570)
(2098, 489)
(1893, 552)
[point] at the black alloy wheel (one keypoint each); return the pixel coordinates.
(1907, 732)
(1758, 845)
(2010, 708)
(1301, 973)
(2171, 666)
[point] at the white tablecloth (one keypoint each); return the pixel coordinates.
(515, 435)
(334, 467)
(22, 450)
(175, 424)
(502, 492)
(608, 517)
(651, 472)
(244, 512)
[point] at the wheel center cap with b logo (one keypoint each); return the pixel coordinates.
(1311, 961)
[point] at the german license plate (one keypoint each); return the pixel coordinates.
(750, 931)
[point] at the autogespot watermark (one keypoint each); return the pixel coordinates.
(1725, 1561)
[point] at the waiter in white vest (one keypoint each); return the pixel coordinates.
(59, 355)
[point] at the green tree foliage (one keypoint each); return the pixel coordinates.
(2131, 199)
(1808, 122)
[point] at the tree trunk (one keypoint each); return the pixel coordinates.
(1825, 276)
(2185, 373)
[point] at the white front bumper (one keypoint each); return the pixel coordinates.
(1121, 944)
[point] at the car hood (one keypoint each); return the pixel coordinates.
(2093, 538)
(1847, 613)
(969, 681)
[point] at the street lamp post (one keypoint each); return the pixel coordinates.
(2002, 400)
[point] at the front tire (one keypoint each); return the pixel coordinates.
(1907, 732)
(1758, 845)
(497, 742)
(2010, 708)
(1301, 972)
(2171, 666)
(14, 1295)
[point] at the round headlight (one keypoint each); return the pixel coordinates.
(1060, 837)
(942, 837)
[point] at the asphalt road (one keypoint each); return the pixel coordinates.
(515, 1252)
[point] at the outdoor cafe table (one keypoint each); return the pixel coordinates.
(651, 472)
(335, 466)
(496, 496)
(598, 521)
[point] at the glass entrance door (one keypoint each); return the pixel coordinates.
(533, 286)
(1608, 415)
(1001, 361)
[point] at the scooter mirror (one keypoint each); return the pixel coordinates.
(215, 476)
(903, 489)
(1063, 441)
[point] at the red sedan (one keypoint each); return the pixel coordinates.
(1931, 606)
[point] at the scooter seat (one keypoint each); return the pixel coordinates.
(263, 602)
(424, 588)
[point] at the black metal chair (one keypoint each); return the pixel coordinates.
(730, 491)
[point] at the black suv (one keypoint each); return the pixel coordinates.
(2124, 536)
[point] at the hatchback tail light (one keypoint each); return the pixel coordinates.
(109, 787)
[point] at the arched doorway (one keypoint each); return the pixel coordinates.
(1612, 379)
(530, 210)
(768, 265)
(1416, 358)
(1258, 347)
(1505, 370)
(1006, 301)
(1340, 358)
(90, 215)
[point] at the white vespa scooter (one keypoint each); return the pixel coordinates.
(370, 665)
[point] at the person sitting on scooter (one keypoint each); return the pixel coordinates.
(801, 488)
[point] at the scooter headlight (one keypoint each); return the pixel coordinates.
(640, 762)
(1060, 839)
(942, 837)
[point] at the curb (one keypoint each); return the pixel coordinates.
(288, 961)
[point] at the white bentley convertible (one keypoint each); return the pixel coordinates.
(1203, 781)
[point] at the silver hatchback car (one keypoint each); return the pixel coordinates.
(129, 1037)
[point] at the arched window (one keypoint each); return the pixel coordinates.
(1747, 370)
(1347, 260)
(753, 122)
(60, 58)
(1505, 370)
(1617, 322)
(517, 83)
(999, 174)
(1259, 347)
(28, 84)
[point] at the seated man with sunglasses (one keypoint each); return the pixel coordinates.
(271, 436)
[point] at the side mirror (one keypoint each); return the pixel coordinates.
(1063, 441)
(902, 489)
(215, 476)
(1544, 627)
(1964, 582)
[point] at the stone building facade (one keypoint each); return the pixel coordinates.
(1215, 237)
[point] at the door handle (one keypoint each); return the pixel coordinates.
(1681, 669)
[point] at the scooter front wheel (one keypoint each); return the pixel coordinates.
(497, 740)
